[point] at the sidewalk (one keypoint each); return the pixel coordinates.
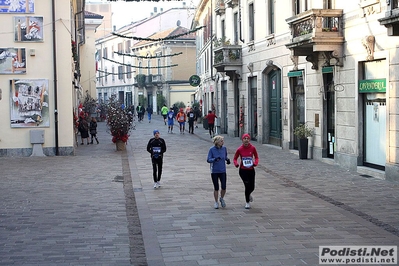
(75, 211)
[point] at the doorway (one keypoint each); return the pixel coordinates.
(274, 91)
(224, 115)
(328, 113)
(253, 107)
(298, 97)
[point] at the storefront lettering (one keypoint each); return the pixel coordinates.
(372, 85)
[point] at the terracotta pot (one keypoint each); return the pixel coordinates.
(120, 145)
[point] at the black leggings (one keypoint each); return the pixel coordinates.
(211, 129)
(248, 178)
(157, 167)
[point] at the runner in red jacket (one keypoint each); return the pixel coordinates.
(249, 159)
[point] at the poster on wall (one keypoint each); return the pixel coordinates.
(17, 6)
(28, 29)
(29, 103)
(12, 61)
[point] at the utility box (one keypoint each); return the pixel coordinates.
(37, 136)
(37, 139)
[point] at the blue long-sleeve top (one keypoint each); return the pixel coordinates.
(217, 166)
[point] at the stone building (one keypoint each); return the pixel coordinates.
(330, 64)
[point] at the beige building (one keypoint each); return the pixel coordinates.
(41, 74)
(329, 64)
(121, 59)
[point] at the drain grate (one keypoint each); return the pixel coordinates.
(118, 178)
(366, 176)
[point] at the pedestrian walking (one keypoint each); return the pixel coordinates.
(164, 113)
(217, 157)
(93, 130)
(140, 112)
(249, 159)
(149, 113)
(191, 118)
(171, 117)
(210, 117)
(197, 113)
(84, 130)
(156, 147)
(181, 117)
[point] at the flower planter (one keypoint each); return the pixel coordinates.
(120, 145)
(303, 148)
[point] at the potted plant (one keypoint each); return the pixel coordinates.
(303, 131)
(119, 122)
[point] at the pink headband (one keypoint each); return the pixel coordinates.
(246, 135)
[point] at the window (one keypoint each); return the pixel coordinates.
(113, 73)
(271, 17)
(235, 25)
(105, 52)
(223, 28)
(120, 72)
(300, 6)
(106, 75)
(159, 66)
(112, 50)
(148, 66)
(129, 71)
(140, 67)
(120, 48)
(251, 22)
(128, 44)
(100, 97)
(327, 4)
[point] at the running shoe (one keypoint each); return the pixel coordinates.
(222, 202)
(216, 205)
(155, 185)
(247, 206)
(159, 183)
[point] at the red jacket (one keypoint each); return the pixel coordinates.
(249, 157)
(211, 118)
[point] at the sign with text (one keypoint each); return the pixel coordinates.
(194, 80)
(372, 85)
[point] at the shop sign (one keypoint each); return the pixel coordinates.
(372, 85)
(194, 80)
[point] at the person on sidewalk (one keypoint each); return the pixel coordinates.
(164, 113)
(171, 117)
(191, 118)
(210, 117)
(181, 117)
(93, 129)
(156, 147)
(140, 112)
(249, 159)
(149, 113)
(197, 113)
(217, 157)
(84, 130)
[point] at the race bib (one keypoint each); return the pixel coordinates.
(191, 115)
(171, 116)
(247, 162)
(156, 149)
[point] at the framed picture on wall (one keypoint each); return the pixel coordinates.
(29, 103)
(12, 61)
(17, 6)
(28, 29)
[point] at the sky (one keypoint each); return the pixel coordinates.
(126, 12)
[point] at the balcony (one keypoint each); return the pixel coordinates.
(391, 19)
(227, 58)
(220, 7)
(232, 3)
(317, 31)
(147, 81)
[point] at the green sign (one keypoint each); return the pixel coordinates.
(194, 80)
(372, 85)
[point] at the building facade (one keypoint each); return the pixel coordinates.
(118, 67)
(330, 64)
(41, 74)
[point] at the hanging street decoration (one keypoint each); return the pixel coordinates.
(113, 61)
(159, 39)
(147, 57)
